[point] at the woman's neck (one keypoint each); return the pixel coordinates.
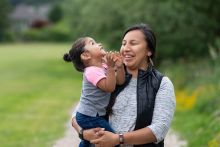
(134, 72)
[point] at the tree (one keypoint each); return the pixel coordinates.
(32, 2)
(4, 22)
(56, 13)
(184, 29)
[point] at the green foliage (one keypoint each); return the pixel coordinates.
(198, 129)
(56, 14)
(208, 103)
(183, 28)
(4, 22)
(199, 125)
(58, 33)
(99, 19)
(33, 34)
(32, 2)
(38, 90)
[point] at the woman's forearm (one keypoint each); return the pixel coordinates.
(75, 125)
(141, 136)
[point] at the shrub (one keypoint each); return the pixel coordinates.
(56, 14)
(58, 33)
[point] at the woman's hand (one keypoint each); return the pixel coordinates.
(88, 134)
(91, 134)
(106, 139)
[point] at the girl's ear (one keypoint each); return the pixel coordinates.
(85, 56)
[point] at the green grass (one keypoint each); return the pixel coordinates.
(38, 90)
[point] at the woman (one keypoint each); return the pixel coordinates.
(141, 110)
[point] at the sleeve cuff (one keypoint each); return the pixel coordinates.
(157, 133)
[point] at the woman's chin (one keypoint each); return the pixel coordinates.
(128, 64)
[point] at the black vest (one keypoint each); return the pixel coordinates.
(148, 83)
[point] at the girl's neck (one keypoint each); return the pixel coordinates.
(94, 63)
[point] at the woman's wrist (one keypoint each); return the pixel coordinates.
(116, 139)
(121, 139)
(81, 134)
(86, 134)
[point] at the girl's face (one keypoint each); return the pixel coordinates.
(96, 50)
(134, 50)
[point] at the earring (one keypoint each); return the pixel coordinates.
(151, 61)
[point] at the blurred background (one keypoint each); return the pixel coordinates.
(38, 89)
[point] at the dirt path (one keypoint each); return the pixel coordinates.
(173, 140)
(70, 139)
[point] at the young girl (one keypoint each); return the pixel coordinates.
(101, 72)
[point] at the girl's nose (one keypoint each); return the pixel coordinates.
(103, 52)
(99, 44)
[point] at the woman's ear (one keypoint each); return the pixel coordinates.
(149, 53)
(85, 56)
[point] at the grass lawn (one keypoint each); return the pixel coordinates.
(38, 91)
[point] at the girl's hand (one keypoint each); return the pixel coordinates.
(107, 139)
(118, 59)
(109, 59)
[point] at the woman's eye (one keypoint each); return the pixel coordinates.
(134, 43)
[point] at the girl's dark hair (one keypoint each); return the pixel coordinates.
(75, 53)
(149, 36)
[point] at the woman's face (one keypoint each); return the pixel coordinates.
(134, 50)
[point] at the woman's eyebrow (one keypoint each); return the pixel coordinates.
(133, 40)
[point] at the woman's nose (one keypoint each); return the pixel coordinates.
(126, 48)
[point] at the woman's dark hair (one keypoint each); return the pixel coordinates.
(149, 36)
(75, 53)
(151, 42)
